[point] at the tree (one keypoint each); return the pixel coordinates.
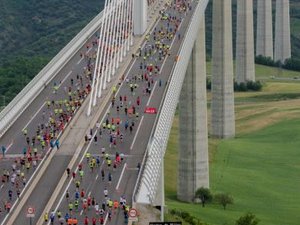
(247, 219)
(224, 199)
(204, 195)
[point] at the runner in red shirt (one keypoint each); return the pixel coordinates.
(94, 221)
(86, 220)
(101, 219)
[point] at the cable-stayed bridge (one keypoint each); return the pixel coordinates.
(111, 94)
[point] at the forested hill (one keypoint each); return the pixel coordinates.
(42, 27)
(33, 31)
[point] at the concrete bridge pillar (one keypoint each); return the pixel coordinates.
(222, 106)
(193, 153)
(282, 31)
(245, 69)
(264, 34)
(140, 15)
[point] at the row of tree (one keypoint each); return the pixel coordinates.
(241, 87)
(205, 196)
(186, 217)
(289, 64)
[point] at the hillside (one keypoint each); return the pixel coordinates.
(33, 32)
(41, 28)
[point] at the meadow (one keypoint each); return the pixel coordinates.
(259, 168)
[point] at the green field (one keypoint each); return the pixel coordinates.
(259, 168)
(266, 72)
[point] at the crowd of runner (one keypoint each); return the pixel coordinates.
(80, 207)
(120, 122)
(38, 141)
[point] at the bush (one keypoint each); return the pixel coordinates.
(187, 217)
(292, 64)
(204, 195)
(247, 219)
(289, 64)
(243, 87)
(223, 199)
(248, 86)
(208, 84)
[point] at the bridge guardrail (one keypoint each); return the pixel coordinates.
(149, 178)
(20, 103)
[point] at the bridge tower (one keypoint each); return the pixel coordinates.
(193, 153)
(264, 34)
(222, 107)
(245, 69)
(282, 31)
(140, 15)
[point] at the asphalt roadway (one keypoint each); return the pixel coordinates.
(134, 145)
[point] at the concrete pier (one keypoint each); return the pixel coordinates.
(193, 154)
(140, 15)
(282, 31)
(222, 106)
(245, 69)
(264, 34)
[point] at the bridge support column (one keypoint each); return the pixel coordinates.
(222, 106)
(245, 69)
(282, 31)
(193, 153)
(140, 16)
(264, 34)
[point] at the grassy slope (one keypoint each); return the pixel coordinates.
(259, 168)
(265, 72)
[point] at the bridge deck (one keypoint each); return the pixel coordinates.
(134, 145)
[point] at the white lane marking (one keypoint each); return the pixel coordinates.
(151, 94)
(105, 220)
(119, 181)
(1, 186)
(89, 50)
(65, 79)
(9, 146)
(137, 131)
(97, 176)
(34, 116)
(79, 61)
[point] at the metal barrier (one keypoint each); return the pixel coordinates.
(146, 186)
(20, 103)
